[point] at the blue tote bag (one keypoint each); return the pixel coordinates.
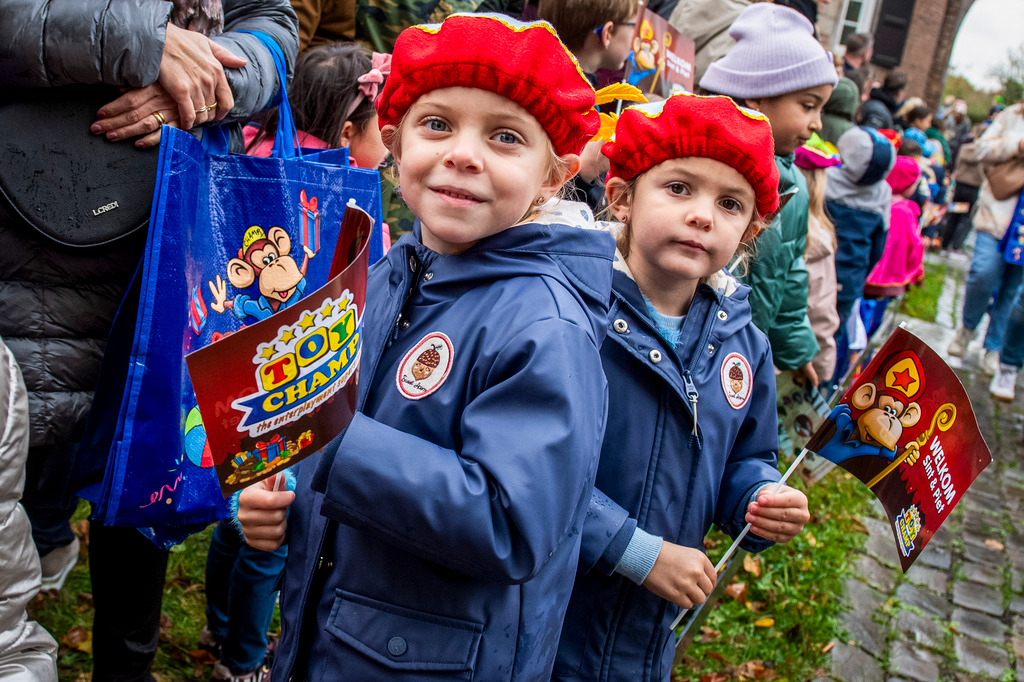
(232, 239)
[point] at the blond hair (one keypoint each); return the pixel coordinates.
(823, 228)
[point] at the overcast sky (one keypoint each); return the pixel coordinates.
(991, 28)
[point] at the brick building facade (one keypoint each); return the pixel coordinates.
(929, 41)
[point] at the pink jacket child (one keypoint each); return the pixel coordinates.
(902, 262)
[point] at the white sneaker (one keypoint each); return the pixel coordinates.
(57, 564)
(990, 362)
(958, 346)
(1004, 383)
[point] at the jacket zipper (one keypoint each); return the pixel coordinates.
(691, 389)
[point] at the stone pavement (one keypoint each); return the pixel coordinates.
(958, 614)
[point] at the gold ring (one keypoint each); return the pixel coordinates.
(208, 107)
(159, 118)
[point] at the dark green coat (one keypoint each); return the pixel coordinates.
(778, 275)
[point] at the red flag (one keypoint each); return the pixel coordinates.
(906, 429)
(276, 391)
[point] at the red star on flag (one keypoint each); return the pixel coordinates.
(902, 380)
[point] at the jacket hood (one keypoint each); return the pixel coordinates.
(844, 100)
(885, 98)
(552, 243)
(860, 182)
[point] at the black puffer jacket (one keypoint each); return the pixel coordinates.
(57, 303)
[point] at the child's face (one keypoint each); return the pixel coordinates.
(686, 216)
(794, 116)
(365, 146)
(620, 42)
(471, 164)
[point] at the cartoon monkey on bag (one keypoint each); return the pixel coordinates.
(264, 258)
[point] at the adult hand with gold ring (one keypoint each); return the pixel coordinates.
(208, 107)
(141, 111)
(191, 74)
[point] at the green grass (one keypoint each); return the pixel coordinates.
(922, 301)
(800, 588)
(183, 613)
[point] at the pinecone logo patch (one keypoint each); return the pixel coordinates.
(736, 380)
(425, 367)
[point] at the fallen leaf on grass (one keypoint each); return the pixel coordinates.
(165, 627)
(709, 543)
(756, 606)
(752, 565)
(708, 635)
(828, 647)
(716, 656)
(994, 544)
(764, 622)
(810, 539)
(714, 677)
(78, 638)
(737, 591)
(84, 677)
(202, 657)
(81, 529)
(754, 670)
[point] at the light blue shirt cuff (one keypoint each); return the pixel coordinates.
(641, 553)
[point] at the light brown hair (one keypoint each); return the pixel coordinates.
(576, 19)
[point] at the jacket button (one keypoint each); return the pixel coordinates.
(655, 356)
(397, 646)
(404, 324)
(413, 263)
(620, 326)
(711, 348)
(428, 276)
(722, 315)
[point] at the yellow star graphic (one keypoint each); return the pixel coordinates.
(268, 352)
(307, 321)
(287, 336)
(326, 311)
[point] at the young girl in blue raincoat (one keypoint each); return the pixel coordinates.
(438, 536)
(691, 438)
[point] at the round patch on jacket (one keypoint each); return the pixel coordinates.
(736, 380)
(426, 366)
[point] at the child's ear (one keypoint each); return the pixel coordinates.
(348, 131)
(570, 166)
(605, 35)
(389, 136)
(616, 190)
(752, 103)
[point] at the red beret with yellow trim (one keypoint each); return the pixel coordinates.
(689, 125)
(524, 62)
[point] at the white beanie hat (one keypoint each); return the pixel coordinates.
(775, 54)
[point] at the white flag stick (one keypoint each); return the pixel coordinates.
(746, 529)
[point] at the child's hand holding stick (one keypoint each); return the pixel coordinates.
(782, 514)
(263, 513)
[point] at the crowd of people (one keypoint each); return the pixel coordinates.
(569, 352)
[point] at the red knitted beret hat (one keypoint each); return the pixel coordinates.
(524, 62)
(688, 125)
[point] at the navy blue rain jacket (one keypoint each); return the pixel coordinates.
(657, 472)
(448, 536)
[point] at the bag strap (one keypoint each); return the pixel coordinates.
(215, 138)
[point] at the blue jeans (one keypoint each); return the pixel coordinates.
(240, 596)
(1013, 346)
(990, 276)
